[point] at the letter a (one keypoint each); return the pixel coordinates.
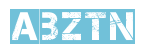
(23, 16)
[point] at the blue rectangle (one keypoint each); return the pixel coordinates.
(34, 17)
(84, 27)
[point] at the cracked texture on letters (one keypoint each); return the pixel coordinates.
(124, 30)
(71, 36)
(71, 14)
(95, 15)
(54, 30)
(71, 26)
(95, 29)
